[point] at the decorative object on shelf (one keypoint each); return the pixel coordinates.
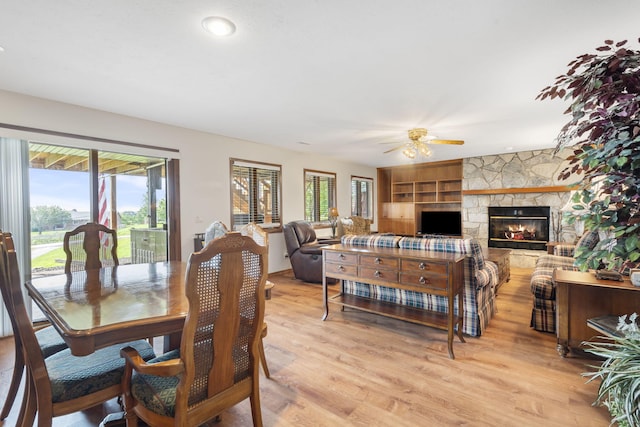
(333, 219)
(619, 372)
(603, 133)
(634, 276)
(608, 275)
(418, 146)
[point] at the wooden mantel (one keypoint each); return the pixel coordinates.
(550, 189)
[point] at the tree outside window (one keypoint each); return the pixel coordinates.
(319, 195)
(362, 197)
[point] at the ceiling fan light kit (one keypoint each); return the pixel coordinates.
(419, 147)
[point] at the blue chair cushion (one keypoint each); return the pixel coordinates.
(75, 376)
(50, 341)
(158, 394)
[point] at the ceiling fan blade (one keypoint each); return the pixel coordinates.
(446, 141)
(395, 148)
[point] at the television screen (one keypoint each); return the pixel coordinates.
(445, 223)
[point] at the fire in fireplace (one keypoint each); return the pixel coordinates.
(519, 227)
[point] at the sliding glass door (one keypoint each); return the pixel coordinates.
(71, 186)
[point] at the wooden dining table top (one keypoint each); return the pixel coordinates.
(97, 308)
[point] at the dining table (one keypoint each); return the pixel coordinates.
(97, 308)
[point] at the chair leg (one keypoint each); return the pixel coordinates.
(29, 403)
(263, 360)
(256, 412)
(263, 357)
(18, 369)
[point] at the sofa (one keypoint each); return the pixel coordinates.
(543, 313)
(480, 278)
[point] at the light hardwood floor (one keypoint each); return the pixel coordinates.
(359, 369)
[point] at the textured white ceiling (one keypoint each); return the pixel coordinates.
(343, 76)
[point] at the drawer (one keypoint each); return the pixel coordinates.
(426, 280)
(417, 266)
(343, 269)
(341, 257)
(378, 262)
(386, 275)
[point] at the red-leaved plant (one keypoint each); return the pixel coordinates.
(604, 133)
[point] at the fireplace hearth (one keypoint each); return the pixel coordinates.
(519, 227)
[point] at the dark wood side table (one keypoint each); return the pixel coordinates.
(502, 258)
(580, 296)
(606, 325)
(551, 246)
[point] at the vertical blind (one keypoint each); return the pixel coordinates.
(14, 199)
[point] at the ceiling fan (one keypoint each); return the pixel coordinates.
(419, 146)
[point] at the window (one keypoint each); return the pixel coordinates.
(255, 194)
(362, 197)
(319, 195)
(124, 192)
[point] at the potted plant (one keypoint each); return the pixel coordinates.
(604, 134)
(619, 390)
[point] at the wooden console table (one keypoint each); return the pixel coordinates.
(580, 296)
(415, 270)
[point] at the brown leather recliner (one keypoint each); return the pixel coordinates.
(305, 251)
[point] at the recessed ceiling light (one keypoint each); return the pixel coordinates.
(1, 49)
(219, 26)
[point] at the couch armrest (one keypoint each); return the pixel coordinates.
(487, 275)
(564, 250)
(311, 249)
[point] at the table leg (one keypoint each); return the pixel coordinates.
(172, 341)
(325, 297)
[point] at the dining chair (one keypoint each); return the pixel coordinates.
(90, 246)
(49, 341)
(217, 364)
(61, 383)
(261, 237)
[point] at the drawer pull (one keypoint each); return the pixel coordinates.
(341, 268)
(341, 256)
(377, 274)
(423, 266)
(423, 280)
(378, 261)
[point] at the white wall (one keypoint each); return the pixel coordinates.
(204, 162)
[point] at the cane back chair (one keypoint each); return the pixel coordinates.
(217, 364)
(49, 340)
(62, 383)
(261, 237)
(90, 246)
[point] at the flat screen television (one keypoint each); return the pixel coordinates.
(444, 223)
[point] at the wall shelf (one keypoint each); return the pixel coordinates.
(405, 191)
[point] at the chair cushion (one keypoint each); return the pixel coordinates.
(158, 394)
(76, 376)
(50, 341)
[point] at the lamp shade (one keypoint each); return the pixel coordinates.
(333, 212)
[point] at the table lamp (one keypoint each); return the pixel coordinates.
(333, 219)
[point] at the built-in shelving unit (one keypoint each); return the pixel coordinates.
(405, 191)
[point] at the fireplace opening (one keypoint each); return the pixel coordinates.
(519, 227)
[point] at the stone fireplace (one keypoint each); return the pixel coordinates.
(519, 227)
(510, 181)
